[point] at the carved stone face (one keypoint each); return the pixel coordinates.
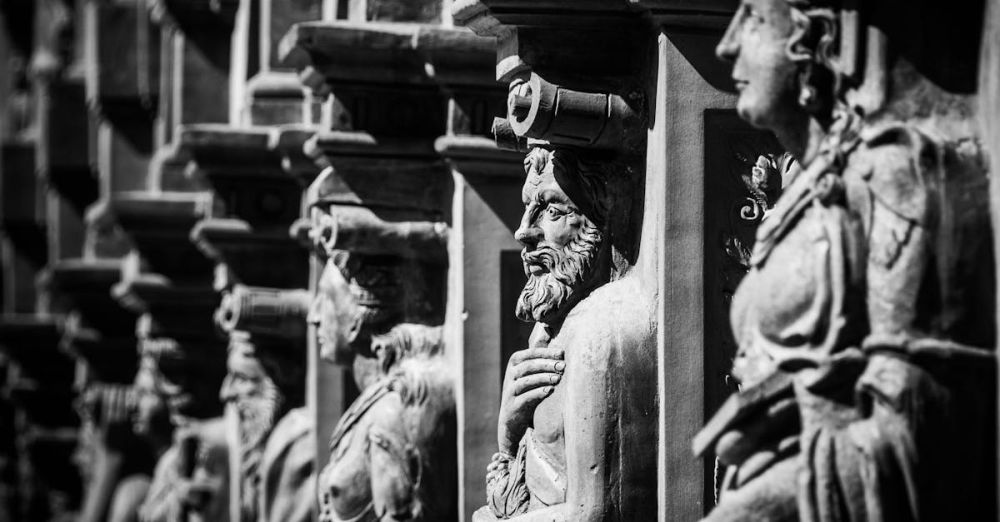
(765, 75)
(560, 245)
(254, 393)
(186, 378)
(337, 316)
(151, 417)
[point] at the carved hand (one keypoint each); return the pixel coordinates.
(532, 375)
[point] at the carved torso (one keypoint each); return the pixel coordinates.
(611, 330)
(860, 281)
(197, 462)
(398, 430)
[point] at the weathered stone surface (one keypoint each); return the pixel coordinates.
(863, 360)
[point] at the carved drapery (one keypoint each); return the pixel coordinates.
(834, 418)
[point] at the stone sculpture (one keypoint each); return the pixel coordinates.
(113, 457)
(266, 384)
(392, 453)
(864, 328)
(576, 402)
(191, 479)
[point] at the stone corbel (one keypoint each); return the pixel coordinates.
(159, 225)
(96, 329)
(383, 198)
(83, 287)
(256, 198)
(170, 310)
(245, 167)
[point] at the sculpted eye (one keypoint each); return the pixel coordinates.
(753, 15)
(554, 212)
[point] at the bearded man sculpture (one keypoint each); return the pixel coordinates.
(393, 452)
(191, 480)
(577, 403)
(266, 384)
(864, 322)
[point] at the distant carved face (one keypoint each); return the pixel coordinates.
(251, 390)
(766, 77)
(152, 415)
(186, 378)
(561, 245)
(337, 316)
(258, 401)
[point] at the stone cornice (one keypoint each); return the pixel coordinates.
(85, 287)
(159, 225)
(249, 255)
(346, 53)
(167, 309)
(480, 156)
(218, 150)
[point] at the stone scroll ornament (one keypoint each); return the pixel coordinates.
(265, 381)
(575, 414)
(865, 325)
(392, 453)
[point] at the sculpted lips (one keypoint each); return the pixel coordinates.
(740, 84)
(538, 261)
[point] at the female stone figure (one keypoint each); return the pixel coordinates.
(392, 453)
(865, 325)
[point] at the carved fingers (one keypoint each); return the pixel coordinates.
(532, 375)
(535, 372)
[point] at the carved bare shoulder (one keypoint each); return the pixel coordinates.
(615, 323)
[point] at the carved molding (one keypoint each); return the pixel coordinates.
(159, 225)
(400, 212)
(264, 311)
(480, 156)
(340, 52)
(540, 110)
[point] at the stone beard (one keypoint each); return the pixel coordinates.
(566, 272)
(559, 276)
(258, 414)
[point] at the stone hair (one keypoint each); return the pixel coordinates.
(596, 182)
(404, 341)
(812, 46)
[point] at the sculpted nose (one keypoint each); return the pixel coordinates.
(729, 48)
(528, 234)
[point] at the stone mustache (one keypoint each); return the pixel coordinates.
(864, 326)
